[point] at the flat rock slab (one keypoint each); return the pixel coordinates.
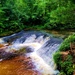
(19, 65)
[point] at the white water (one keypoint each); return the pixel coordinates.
(41, 65)
(43, 49)
(1, 40)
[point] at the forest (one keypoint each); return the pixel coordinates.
(59, 15)
(37, 14)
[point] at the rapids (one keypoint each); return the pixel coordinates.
(40, 47)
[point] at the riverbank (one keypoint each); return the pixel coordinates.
(65, 57)
(56, 33)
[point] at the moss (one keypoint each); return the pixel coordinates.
(21, 51)
(66, 66)
(66, 44)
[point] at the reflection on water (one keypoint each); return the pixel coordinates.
(19, 65)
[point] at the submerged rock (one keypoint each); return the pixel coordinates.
(3, 47)
(19, 65)
(4, 54)
(7, 55)
(29, 49)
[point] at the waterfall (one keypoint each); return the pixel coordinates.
(40, 47)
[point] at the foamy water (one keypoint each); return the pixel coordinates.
(1, 40)
(35, 46)
(43, 47)
(41, 65)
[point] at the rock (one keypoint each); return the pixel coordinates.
(3, 47)
(7, 55)
(4, 54)
(29, 49)
(19, 65)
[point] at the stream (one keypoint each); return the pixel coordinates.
(35, 46)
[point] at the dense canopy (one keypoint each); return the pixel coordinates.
(40, 14)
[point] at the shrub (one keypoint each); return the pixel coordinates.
(66, 44)
(57, 56)
(67, 65)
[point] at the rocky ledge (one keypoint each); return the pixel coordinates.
(17, 65)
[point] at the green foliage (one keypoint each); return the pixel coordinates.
(62, 73)
(65, 66)
(63, 16)
(66, 44)
(43, 14)
(57, 56)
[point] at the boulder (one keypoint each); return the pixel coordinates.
(29, 49)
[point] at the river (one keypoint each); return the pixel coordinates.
(36, 45)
